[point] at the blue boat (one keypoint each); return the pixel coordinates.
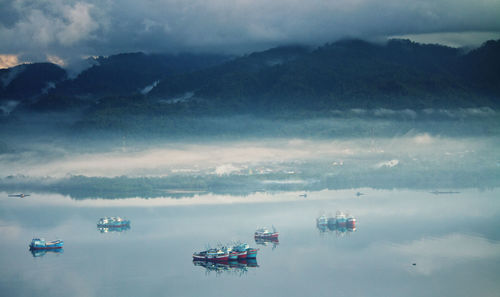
(241, 250)
(41, 244)
(245, 251)
(252, 253)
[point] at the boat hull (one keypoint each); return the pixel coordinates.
(48, 246)
(252, 253)
(341, 223)
(233, 256)
(45, 247)
(211, 259)
(267, 236)
(242, 255)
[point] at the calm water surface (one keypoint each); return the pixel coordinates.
(453, 240)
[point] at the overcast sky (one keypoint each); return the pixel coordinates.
(61, 31)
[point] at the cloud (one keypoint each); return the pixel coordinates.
(388, 164)
(70, 29)
(7, 61)
(56, 60)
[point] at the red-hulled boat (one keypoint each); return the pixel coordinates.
(264, 233)
(252, 253)
(215, 255)
(351, 222)
(241, 250)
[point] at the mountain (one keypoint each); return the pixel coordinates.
(45, 87)
(482, 67)
(28, 80)
(347, 74)
(222, 77)
(132, 72)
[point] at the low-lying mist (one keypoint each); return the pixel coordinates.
(336, 154)
(237, 156)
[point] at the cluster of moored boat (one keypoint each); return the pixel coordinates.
(105, 223)
(340, 220)
(108, 224)
(237, 252)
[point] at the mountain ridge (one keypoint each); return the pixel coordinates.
(345, 74)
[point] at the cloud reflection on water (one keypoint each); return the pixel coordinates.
(434, 253)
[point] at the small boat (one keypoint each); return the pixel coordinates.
(215, 255)
(341, 219)
(351, 222)
(19, 195)
(322, 221)
(245, 251)
(112, 222)
(265, 233)
(233, 255)
(252, 253)
(41, 244)
(241, 250)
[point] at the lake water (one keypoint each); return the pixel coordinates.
(452, 238)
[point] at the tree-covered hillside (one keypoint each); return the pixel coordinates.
(348, 74)
(159, 92)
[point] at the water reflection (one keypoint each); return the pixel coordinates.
(113, 229)
(435, 232)
(41, 253)
(238, 268)
(267, 241)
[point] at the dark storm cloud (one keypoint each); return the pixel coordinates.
(68, 29)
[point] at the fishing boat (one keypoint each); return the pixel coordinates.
(265, 233)
(112, 222)
(322, 221)
(233, 255)
(351, 222)
(341, 219)
(41, 244)
(216, 255)
(252, 253)
(241, 250)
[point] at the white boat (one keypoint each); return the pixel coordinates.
(265, 233)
